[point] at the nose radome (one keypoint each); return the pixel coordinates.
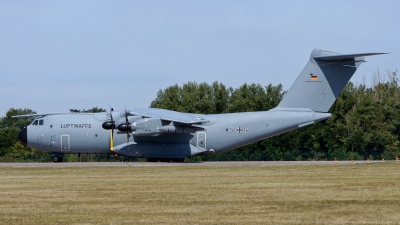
(23, 136)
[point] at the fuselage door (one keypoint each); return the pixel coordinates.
(65, 142)
(201, 140)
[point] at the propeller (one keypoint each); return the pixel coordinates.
(110, 125)
(125, 127)
(127, 131)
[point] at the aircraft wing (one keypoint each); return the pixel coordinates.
(37, 115)
(168, 115)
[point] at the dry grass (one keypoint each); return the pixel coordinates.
(341, 194)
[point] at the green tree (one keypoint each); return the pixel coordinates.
(365, 120)
(193, 98)
(10, 148)
(21, 122)
(95, 109)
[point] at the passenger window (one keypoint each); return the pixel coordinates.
(40, 122)
(35, 123)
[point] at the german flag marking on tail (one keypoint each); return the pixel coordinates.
(313, 77)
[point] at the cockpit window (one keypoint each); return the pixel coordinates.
(37, 122)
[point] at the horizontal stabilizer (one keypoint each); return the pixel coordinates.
(345, 56)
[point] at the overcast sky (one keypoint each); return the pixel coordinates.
(58, 55)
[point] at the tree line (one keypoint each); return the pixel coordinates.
(365, 119)
(365, 122)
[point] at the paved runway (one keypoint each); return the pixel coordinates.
(224, 163)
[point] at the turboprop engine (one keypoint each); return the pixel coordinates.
(153, 126)
(139, 126)
(147, 126)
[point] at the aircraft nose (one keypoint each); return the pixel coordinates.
(23, 136)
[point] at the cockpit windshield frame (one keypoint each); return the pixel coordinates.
(37, 122)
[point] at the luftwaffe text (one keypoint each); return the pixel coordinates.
(76, 125)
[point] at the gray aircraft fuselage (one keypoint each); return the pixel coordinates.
(83, 133)
(163, 134)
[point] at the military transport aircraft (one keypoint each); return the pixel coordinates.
(159, 134)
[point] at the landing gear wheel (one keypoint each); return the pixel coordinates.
(165, 160)
(57, 159)
(152, 160)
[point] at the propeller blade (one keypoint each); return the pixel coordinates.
(127, 130)
(112, 131)
(111, 141)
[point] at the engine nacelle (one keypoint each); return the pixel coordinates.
(131, 119)
(147, 126)
(127, 127)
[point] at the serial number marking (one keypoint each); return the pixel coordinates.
(239, 129)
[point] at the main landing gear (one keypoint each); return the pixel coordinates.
(57, 157)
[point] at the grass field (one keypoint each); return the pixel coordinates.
(316, 194)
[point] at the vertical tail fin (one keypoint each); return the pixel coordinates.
(322, 80)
